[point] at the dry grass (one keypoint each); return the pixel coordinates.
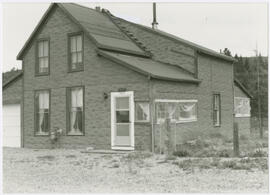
(70, 171)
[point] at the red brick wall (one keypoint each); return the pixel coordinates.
(100, 75)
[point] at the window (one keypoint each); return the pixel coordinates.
(76, 52)
(178, 111)
(76, 111)
(142, 113)
(42, 112)
(42, 64)
(216, 110)
(241, 107)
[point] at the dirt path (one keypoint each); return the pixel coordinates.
(70, 171)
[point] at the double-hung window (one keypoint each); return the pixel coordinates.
(42, 62)
(75, 111)
(42, 112)
(76, 52)
(216, 110)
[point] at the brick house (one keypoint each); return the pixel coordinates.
(109, 83)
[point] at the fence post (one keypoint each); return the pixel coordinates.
(235, 139)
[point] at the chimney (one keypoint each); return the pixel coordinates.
(98, 8)
(154, 23)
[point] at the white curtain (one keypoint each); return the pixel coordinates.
(242, 107)
(76, 104)
(43, 104)
(187, 110)
(171, 108)
(77, 98)
(145, 108)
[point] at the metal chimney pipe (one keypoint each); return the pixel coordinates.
(154, 23)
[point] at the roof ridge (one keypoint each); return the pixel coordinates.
(183, 41)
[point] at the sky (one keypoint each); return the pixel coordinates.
(237, 26)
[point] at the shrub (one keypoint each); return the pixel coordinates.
(229, 164)
(181, 153)
(223, 153)
(185, 164)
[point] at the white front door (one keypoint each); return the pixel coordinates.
(122, 120)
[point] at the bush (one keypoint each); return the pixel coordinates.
(223, 153)
(181, 153)
(229, 164)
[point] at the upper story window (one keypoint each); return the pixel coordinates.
(42, 64)
(76, 52)
(216, 110)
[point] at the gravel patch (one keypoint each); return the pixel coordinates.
(70, 171)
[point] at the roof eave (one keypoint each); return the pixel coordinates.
(149, 75)
(12, 80)
(41, 21)
(239, 84)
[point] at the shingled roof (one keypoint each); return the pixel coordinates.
(109, 35)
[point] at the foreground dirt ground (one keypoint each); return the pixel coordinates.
(70, 171)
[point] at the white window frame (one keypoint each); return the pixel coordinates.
(242, 115)
(179, 101)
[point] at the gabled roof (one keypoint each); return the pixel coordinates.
(96, 25)
(14, 77)
(150, 68)
(241, 86)
(109, 38)
(197, 47)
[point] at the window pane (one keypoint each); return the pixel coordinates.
(46, 48)
(72, 44)
(77, 97)
(79, 57)
(76, 111)
(122, 103)
(40, 49)
(42, 113)
(74, 58)
(44, 100)
(122, 116)
(187, 111)
(122, 129)
(79, 43)
(242, 107)
(76, 117)
(142, 111)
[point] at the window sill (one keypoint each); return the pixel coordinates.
(41, 134)
(42, 74)
(75, 134)
(142, 123)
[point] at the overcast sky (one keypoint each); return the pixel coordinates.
(237, 26)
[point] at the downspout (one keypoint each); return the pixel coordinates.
(152, 107)
(233, 115)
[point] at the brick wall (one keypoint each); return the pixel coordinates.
(100, 75)
(12, 94)
(216, 76)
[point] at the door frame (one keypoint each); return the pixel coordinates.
(129, 94)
